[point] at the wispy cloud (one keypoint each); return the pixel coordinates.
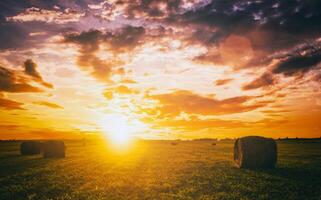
(48, 104)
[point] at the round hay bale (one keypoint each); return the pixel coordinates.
(30, 148)
(255, 152)
(174, 143)
(214, 144)
(54, 149)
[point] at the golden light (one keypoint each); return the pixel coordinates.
(117, 129)
(120, 130)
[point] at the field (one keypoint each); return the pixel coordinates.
(159, 170)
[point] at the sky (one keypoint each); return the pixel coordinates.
(160, 69)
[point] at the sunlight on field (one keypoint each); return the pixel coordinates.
(158, 170)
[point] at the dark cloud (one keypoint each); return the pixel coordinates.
(294, 18)
(19, 81)
(10, 104)
(30, 68)
(12, 35)
(88, 43)
(89, 39)
(266, 79)
(126, 38)
(295, 62)
(264, 27)
(231, 17)
(300, 60)
(11, 82)
(16, 34)
(123, 40)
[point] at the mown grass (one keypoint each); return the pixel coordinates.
(159, 170)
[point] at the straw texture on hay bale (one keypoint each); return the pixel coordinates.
(54, 149)
(255, 152)
(30, 148)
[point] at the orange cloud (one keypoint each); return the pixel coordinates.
(121, 90)
(197, 124)
(185, 101)
(10, 81)
(10, 105)
(48, 104)
(223, 81)
(265, 80)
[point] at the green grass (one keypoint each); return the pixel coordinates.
(159, 170)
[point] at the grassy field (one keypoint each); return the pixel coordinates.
(159, 170)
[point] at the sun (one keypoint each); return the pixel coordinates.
(119, 130)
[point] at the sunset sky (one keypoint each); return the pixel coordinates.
(160, 69)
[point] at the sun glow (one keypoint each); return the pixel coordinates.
(120, 130)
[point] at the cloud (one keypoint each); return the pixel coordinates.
(127, 38)
(12, 35)
(223, 81)
(276, 16)
(242, 33)
(150, 9)
(48, 104)
(122, 89)
(265, 80)
(17, 35)
(119, 90)
(300, 60)
(195, 123)
(172, 104)
(19, 81)
(30, 68)
(89, 39)
(293, 62)
(123, 40)
(9, 127)
(47, 16)
(10, 104)
(128, 81)
(317, 77)
(11, 82)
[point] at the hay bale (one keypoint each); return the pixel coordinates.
(174, 143)
(30, 148)
(54, 149)
(255, 152)
(214, 144)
